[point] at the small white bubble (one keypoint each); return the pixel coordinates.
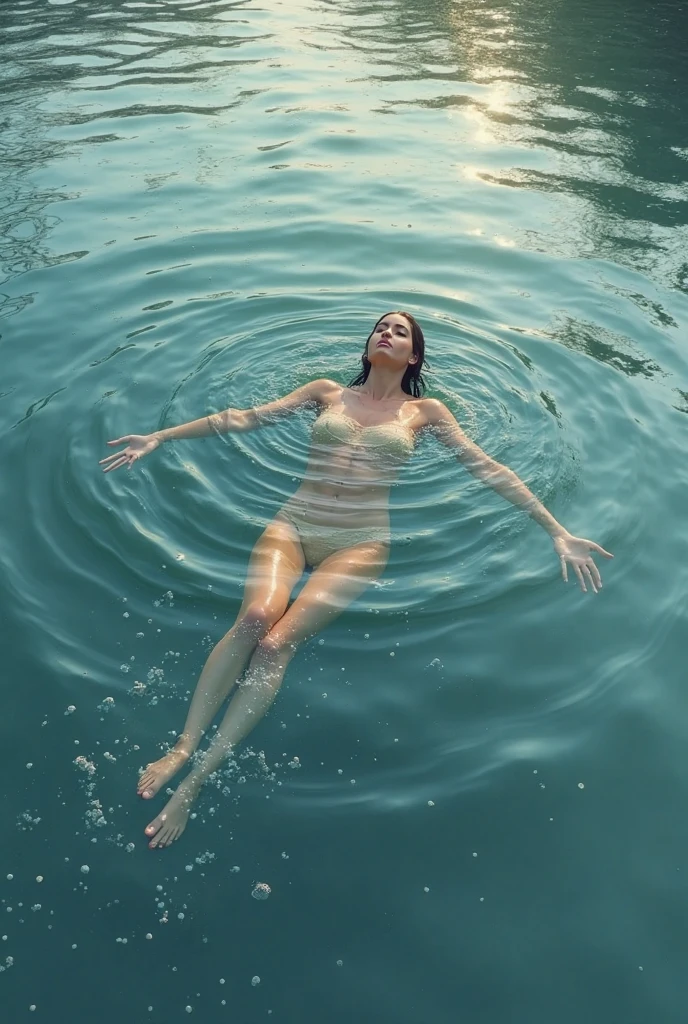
(222, 981)
(39, 878)
(189, 867)
(340, 963)
(425, 888)
(261, 891)
(581, 785)
(85, 869)
(255, 980)
(10, 877)
(189, 1009)
(475, 854)
(235, 869)
(431, 803)
(149, 935)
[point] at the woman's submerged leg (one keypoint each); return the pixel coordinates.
(275, 565)
(333, 585)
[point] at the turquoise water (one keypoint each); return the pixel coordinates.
(207, 204)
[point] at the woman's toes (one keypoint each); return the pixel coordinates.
(155, 825)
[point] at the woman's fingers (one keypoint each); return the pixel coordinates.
(110, 458)
(588, 576)
(579, 574)
(595, 574)
(564, 570)
(115, 465)
(121, 440)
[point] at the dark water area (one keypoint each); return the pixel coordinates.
(469, 799)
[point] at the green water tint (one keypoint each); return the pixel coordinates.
(207, 205)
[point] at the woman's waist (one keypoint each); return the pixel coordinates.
(345, 511)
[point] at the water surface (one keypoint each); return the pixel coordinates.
(207, 204)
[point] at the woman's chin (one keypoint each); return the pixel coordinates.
(385, 359)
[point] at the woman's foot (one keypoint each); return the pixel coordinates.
(160, 772)
(171, 822)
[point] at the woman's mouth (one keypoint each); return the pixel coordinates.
(383, 342)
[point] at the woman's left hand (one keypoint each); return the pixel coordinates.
(576, 551)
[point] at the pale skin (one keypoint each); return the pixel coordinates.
(249, 662)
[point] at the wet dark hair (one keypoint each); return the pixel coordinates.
(412, 382)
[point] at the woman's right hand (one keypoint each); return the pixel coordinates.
(138, 445)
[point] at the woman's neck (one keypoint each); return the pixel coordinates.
(382, 387)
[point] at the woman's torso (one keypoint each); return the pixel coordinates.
(357, 450)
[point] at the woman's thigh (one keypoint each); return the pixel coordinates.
(275, 567)
(336, 582)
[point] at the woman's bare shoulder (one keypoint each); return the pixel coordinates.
(431, 411)
(325, 390)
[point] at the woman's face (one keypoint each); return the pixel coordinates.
(390, 346)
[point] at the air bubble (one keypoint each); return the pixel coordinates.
(261, 891)
(85, 869)
(255, 980)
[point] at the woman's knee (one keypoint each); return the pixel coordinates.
(258, 618)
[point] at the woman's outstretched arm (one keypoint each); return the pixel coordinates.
(315, 393)
(570, 549)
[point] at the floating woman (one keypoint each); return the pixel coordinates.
(337, 523)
